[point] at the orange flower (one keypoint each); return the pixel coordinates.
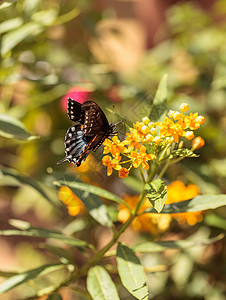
(115, 147)
(153, 223)
(110, 164)
(73, 203)
(151, 137)
(123, 173)
(177, 192)
(156, 223)
(197, 143)
(184, 107)
(141, 158)
(169, 128)
(131, 141)
(194, 121)
(189, 135)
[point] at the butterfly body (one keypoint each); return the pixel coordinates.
(89, 132)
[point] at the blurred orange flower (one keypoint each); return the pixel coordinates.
(176, 192)
(73, 203)
(153, 223)
(156, 223)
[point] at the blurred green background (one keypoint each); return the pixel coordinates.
(115, 53)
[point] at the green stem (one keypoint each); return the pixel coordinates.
(83, 270)
(167, 164)
(142, 174)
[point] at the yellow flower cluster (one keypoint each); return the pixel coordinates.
(148, 135)
(157, 223)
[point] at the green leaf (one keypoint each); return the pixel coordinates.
(10, 24)
(28, 275)
(14, 129)
(133, 183)
(26, 180)
(13, 38)
(156, 192)
(91, 201)
(159, 108)
(100, 284)
(65, 256)
(91, 189)
(184, 152)
(148, 247)
(49, 234)
(198, 203)
(7, 274)
(7, 3)
(131, 272)
(68, 16)
(215, 221)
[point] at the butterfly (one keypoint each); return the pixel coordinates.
(89, 132)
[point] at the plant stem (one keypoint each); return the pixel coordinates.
(83, 270)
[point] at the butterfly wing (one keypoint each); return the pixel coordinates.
(75, 111)
(77, 146)
(95, 121)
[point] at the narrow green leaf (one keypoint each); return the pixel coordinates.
(92, 202)
(44, 233)
(7, 3)
(91, 189)
(156, 192)
(100, 284)
(13, 128)
(27, 180)
(68, 16)
(7, 274)
(131, 272)
(13, 38)
(180, 244)
(215, 221)
(181, 153)
(25, 276)
(198, 203)
(10, 24)
(64, 255)
(159, 108)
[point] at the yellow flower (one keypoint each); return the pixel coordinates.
(141, 158)
(189, 135)
(132, 142)
(157, 223)
(169, 128)
(197, 143)
(184, 107)
(110, 164)
(177, 192)
(194, 121)
(153, 223)
(151, 137)
(123, 173)
(115, 147)
(157, 140)
(73, 203)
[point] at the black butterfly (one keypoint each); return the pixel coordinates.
(89, 132)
